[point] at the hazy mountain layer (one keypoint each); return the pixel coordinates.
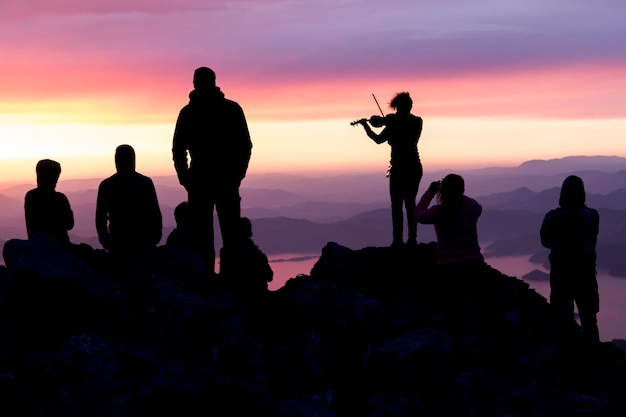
(299, 214)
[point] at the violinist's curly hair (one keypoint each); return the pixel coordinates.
(401, 100)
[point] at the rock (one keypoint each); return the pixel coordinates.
(370, 332)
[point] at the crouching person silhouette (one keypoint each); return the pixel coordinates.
(182, 234)
(570, 232)
(243, 266)
(128, 217)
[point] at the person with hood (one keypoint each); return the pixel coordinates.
(47, 210)
(211, 151)
(571, 232)
(128, 217)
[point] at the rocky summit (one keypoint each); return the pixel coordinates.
(369, 332)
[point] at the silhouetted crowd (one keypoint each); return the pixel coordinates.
(211, 151)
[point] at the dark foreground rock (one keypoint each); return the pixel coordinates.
(369, 332)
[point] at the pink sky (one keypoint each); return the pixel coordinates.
(297, 66)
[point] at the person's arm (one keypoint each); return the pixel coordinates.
(29, 215)
(156, 228)
(596, 223)
(179, 149)
(102, 218)
(546, 231)
(243, 144)
(475, 207)
(423, 214)
(68, 214)
(376, 137)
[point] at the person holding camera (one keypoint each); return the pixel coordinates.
(455, 219)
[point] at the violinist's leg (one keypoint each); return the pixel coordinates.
(396, 193)
(412, 186)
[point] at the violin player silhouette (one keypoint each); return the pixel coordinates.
(401, 130)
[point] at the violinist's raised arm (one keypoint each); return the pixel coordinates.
(375, 121)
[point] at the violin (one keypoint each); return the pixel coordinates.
(375, 120)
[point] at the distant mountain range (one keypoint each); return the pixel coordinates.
(300, 214)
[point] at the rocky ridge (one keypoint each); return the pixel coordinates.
(369, 332)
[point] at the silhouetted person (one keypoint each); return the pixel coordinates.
(128, 217)
(570, 232)
(455, 219)
(47, 210)
(402, 132)
(244, 266)
(460, 263)
(213, 132)
(183, 232)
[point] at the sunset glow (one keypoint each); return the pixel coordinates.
(497, 83)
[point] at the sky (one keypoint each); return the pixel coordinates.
(497, 82)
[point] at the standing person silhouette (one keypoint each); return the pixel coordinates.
(402, 132)
(128, 217)
(212, 131)
(47, 210)
(571, 232)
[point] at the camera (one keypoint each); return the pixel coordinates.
(434, 186)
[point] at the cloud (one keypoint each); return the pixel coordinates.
(140, 52)
(36, 8)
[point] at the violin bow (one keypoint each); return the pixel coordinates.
(381, 110)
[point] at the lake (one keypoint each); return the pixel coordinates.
(286, 266)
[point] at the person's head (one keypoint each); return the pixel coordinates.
(572, 192)
(203, 78)
(125, 158)
(48, 172)
(182, 215)
(451, 190)
(401, 103)
(245, 228)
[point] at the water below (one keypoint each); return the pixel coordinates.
(286, 266)
(611, 318)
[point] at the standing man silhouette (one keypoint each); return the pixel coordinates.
(211, 151)
(128, 217)
(402, 132)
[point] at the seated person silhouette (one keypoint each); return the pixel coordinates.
(243, 265)
(182, 234)
(128, 217)
(47, 210)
